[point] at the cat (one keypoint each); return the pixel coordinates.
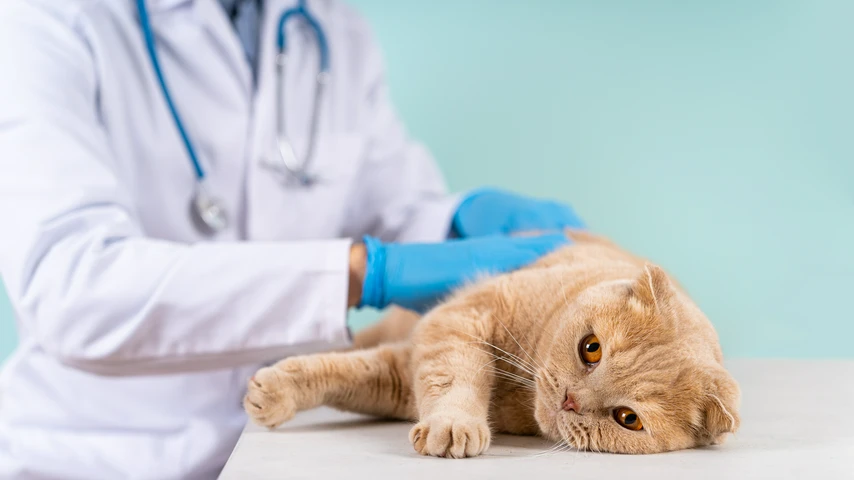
(591, 347)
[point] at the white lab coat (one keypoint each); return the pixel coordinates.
(137, 335)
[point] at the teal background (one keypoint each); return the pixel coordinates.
(713, 137)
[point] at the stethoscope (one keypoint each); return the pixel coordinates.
(208, 212)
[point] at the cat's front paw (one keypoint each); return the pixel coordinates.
(455, 435)
(270, 399)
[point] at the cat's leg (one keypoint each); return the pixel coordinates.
(375, 382)
(452, 382)
(394, 326)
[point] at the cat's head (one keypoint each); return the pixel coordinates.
(634, 367)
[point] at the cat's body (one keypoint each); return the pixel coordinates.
(590, 346)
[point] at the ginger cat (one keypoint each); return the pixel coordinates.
(590, 346)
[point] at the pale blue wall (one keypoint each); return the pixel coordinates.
(714, 137)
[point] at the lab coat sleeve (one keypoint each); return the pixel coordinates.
(402, 194)
(88, 286)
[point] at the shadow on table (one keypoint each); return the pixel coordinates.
(512, 446)
(358, 423)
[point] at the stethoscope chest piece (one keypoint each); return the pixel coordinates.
(208, 212)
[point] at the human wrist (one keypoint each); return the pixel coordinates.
(358, 265)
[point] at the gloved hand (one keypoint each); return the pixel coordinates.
(416, 276)
(494, 212)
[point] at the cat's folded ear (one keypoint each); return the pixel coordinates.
(720, 407)
(653, 288)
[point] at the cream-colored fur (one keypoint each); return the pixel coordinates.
(503, 356)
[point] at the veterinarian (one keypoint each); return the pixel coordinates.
(184, 190)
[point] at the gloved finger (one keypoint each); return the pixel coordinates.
(562, 215)
(517, 252)
(542, 218)
(542, 244)
(546, 216)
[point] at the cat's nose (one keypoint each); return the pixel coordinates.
(569, 403)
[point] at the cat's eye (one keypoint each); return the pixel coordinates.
(590, 350)
(627, 418)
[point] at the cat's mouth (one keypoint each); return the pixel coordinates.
(547, 418)
(566, 434)
(548, 413)
(554, 425)
(556, 422)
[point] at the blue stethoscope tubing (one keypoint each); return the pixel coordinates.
(208, 212)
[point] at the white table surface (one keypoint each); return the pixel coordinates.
(797, 422)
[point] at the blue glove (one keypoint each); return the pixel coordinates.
(416, 276)
(494, 212)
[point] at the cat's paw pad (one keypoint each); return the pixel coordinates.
(454, 436)
(269, 400)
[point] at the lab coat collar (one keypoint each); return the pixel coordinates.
(216, 21)
(210, 15)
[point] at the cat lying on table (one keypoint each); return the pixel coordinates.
(590, 346)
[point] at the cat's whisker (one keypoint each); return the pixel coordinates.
(537, 327)
(525, 382)
(497, 358)
(516, 378)
(565, 448)
(507, 360)
(501, 371)
(598, 438)
(536, 352)
(531, 367)
(511, 361)
(591, 443)
(578, 437)
(518, 344)
(515, 364)
(557, 447)
(586, 437)
(565, 431)
(521, 363)
(550, 382)
(548, 452)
